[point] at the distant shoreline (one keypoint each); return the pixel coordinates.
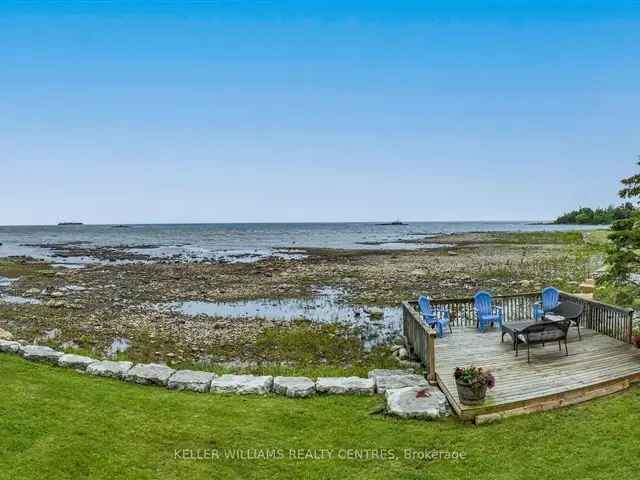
(374, 223)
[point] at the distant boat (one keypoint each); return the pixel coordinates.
(70, 223)
(395, 222)
(119, 226)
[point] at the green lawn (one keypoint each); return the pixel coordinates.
(57, 423)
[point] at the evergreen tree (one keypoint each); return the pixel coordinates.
(623, 257)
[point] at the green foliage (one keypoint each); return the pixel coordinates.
(308, 349)
(623, 256)
(535, 238)
(599, 216)
(617, 293)
(631, 186)
(310, 345)
(474, 376)
(58, 424)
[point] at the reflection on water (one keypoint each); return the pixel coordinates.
(376, 330)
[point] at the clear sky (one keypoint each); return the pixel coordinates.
(221, 111)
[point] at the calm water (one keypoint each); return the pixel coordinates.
(326, 307)
(243, 241)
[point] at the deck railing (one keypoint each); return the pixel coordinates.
(421, 339)
(515, 307)
(616, 322)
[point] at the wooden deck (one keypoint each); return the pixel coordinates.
(596, 366)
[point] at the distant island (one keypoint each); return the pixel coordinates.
(395, 222)
(70, 223)
(598, 216)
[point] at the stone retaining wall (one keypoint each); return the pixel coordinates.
(379, 381)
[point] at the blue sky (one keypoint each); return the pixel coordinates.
(114, 112)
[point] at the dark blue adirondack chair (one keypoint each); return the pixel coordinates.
(550, 300)
(486, 312)
(437, 318)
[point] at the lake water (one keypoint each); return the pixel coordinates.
(242, 241)
(326, 307)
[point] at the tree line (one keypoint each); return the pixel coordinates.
(598, 216)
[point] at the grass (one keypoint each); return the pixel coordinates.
(57, 423)
(14, 268)
(539, 238)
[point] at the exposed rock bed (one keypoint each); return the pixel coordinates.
(4, 335)
(93, 305)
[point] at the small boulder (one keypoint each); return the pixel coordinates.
(5, 335)
(75, 361)
(294, 386)
(55, 304)
(242, 384)
(107, 368)
(390, 382)
(416, 402)
(383, 372)
(7, 346)
(402, 353)
(40, 353)
(345, 385)
(191, 380)
(150, 373)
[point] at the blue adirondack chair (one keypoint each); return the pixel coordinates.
(486, 312)
(437, 318)
(550, 300)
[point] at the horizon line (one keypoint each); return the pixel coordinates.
(319, 222)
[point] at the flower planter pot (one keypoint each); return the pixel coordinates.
(471, 393)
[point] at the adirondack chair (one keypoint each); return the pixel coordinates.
(550, 300)
(486, 312)
(437, 318)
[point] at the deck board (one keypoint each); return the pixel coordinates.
(593, 364)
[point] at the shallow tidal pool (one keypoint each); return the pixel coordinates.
(376, 326)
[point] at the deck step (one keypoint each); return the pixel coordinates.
(557, 401)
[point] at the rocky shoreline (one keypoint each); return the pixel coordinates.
(88, 308)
